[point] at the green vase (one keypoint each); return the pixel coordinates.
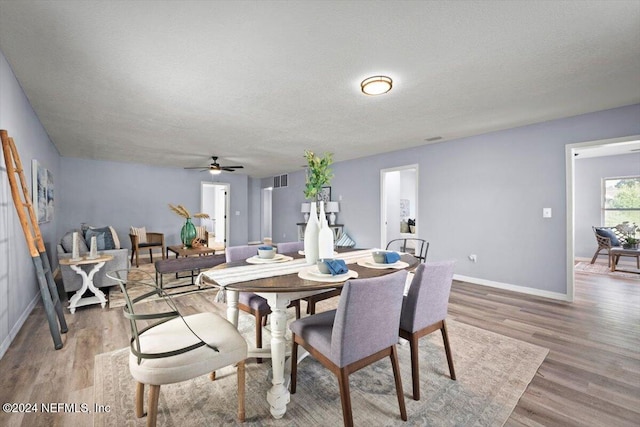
(188, 233)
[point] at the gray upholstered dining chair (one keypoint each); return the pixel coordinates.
(311, 300)
(424, 310)
(176, 348)
(250, 302)
(342, 339)
(290, 247)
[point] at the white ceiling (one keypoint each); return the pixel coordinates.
(173, 82)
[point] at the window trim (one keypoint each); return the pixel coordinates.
(603, 197)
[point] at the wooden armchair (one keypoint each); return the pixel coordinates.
(606, 239)
(150, 241)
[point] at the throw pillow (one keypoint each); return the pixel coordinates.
(404, 227)
(67, 242)
(607, 232)
(345, 241)
(116, 240)
(100, 238)
(201, 232)
(141, 232)
(109, 242)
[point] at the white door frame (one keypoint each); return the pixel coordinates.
(227, 202)
(383, 200)
(570, 192)
(266, 213)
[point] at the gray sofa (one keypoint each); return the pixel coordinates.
(73, 281)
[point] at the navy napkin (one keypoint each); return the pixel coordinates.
(336, 266)
(391, 257)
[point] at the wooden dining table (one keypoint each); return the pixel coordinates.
(279, 291)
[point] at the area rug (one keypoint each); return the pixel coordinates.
(492, 370)
(597, 268)
(170, 284)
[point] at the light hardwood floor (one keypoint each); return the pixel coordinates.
(591, 376)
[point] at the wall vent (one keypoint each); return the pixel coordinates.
(280, 181)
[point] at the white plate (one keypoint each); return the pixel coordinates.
(278, 258)
(371, 264)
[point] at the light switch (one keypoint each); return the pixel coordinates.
(546, 212)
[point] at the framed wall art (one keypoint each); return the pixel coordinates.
(42, 190)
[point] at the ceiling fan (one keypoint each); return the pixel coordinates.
(215, 168)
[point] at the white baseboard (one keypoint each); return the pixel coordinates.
(514, 288)
(16, 328)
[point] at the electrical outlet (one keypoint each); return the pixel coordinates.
(546, 212)
(473, 257)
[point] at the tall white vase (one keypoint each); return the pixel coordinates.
(311, 236)
(325, 236)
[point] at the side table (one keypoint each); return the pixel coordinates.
(87, 281)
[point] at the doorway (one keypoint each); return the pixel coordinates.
(214, 200)
(267, 223)
(398, 203)
(571, 150)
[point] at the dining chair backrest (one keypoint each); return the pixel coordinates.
(240, 253)
(367, 317)
(428, 297)
(290, 247)
(418, 247)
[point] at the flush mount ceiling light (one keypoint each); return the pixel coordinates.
(376, 85)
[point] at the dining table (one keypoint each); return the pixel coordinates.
(284, 280)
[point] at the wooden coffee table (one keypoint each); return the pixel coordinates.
(180, 250)
(616, 253)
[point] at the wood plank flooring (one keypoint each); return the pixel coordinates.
(591, 376)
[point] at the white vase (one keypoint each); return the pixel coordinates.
(311, 236)
(325, 236)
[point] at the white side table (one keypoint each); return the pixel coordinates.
(87, 281)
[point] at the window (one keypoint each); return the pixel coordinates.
(621, 200)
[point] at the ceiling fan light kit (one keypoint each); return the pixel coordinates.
(214, 168)
(376, 85)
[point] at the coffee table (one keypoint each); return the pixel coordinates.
(616, 253)
(180, 250)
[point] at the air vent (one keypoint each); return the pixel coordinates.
(280, 181)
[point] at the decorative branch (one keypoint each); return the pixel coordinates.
(184, 213)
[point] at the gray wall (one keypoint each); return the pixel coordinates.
(18, 284)
(481, 195)
(588, 194)
(125, 194)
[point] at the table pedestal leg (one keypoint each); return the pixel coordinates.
(278, 396)
(232, 306)
(87, 283)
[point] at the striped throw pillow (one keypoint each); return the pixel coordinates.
(141, 232)
(345, 241)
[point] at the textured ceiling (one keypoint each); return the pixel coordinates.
(256, 83)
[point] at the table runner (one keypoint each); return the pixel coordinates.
(243, 273)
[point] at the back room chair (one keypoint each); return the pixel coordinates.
(143, 239)
(424, 310)
(342, 339)
(176, 348)
(250, 302)
(417, 247)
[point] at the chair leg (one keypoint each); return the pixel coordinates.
(152, 415)
(139, 400)
(151, 255)
(137, 260)
(311, 309)
(241, 386)
(447, 349)
(133, 252)
(415, 366)
(345, 397)
(294, 364)
(595, 256)
(258, 333)
(396, 375)
(297, 306)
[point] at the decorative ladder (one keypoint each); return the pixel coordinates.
(48, 289)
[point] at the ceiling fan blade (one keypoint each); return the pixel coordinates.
(233, 167)
(224, 168)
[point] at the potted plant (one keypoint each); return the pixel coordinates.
(319, 174)
(630, 243)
